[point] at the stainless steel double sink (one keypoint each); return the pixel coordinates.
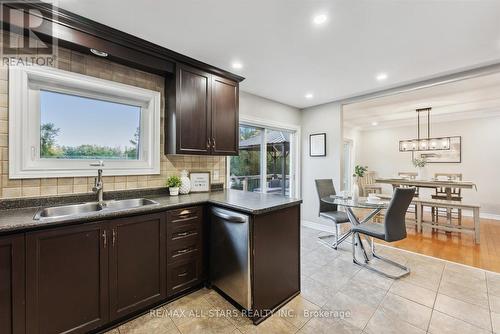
(91, 207)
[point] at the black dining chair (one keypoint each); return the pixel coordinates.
(325, 188)
(393, 229)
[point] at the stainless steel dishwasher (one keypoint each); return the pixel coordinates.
(230, 255)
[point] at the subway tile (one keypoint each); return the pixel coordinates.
(65, 182)
(4, 140)
(11, 192)
(4, 113)
(8, 183)
(64, 189)
(48, 182)
(4, 100)
(80, 188)
(80, 181)
(31, 183)
(48, 190)
(4, 86)
(30, 191)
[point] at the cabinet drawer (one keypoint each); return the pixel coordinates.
(183, 231)
(183, 275)
(183, 249)
(185, 215)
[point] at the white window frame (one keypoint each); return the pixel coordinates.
(25, 83)
(295, 190)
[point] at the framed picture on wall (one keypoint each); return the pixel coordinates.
(317, 145)
(200, 182)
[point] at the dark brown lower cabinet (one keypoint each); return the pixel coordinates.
(67, 279)
(12, 281)
(137, 263)
(276, 258)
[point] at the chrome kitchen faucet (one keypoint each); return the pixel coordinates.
(98, 184)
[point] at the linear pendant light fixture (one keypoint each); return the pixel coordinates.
(424, 144)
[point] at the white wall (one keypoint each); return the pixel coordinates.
(325, 118)
(253, 106)
(378, 149)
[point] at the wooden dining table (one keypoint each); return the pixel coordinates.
(448, 185)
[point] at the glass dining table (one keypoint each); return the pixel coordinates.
(361, 203)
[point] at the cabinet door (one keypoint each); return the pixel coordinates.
(67, 275)
(12, 280)
(193, 111)
(137, 263)
(225, 121)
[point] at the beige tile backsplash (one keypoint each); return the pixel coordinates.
(93, 66)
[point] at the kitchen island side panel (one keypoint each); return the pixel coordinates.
(276, 257)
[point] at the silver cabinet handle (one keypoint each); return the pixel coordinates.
(114, 237)
(104, 238)
(184, 274)
(183, 251)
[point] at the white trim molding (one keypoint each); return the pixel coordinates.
(25, 83)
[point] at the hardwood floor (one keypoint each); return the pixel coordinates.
(457, 247)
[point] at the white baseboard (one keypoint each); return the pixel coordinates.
(317, 226)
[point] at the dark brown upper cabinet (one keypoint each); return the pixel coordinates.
(12, 281)
(202, 113)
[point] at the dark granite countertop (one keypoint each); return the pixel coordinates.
(21, 219)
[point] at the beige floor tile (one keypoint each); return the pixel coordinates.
(113, 331)
(360, 312)
(382, 323)
(207, 325)
(495, 322)
(493, 283)
(314, 291)
(189, 308)
(445, 324)
(467, 312)
(414, 292)
(367, 293)
(308, 269)
(372, 278)
(423, 275)
(494, 303)
(465, 272)
(465, 291)
(328, 326)
(406, 310)
(150, 323)
(273, 325)
(298, 311)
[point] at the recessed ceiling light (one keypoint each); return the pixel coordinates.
(99, 53)
(374, 123)
(320, 19)
(309, 96)
(237, 65)
(381, 76)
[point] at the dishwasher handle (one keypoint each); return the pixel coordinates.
(229, 216)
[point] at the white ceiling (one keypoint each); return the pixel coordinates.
(285, 56)
(466, 99)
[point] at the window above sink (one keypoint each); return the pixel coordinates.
(62, 121)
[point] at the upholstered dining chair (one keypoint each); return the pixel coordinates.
(325, 188)
(393, 229)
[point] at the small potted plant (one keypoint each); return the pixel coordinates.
(359, 171)
(420, 163)
(173, 184)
